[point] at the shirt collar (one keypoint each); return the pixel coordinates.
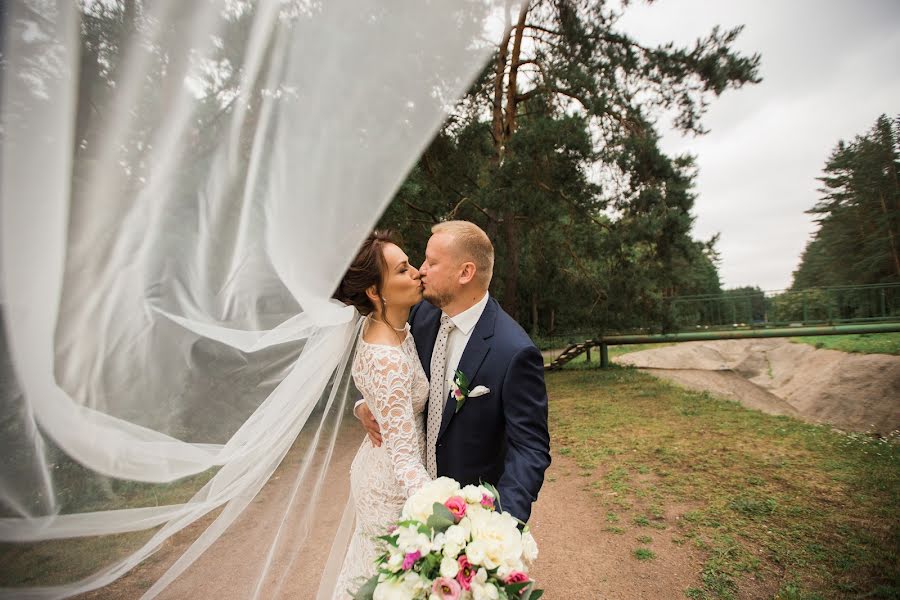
(467, 319)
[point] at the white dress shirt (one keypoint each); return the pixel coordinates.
(456, 342)
(459, 337)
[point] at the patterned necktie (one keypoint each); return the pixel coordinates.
(436, 393)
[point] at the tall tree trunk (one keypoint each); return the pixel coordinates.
(890, 228)
(512, 86)
(511, 289)
(497, 120)
(502, 127)
(534, 313)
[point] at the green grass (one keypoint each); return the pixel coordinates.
(801, 509)
(644, 554)
(864, 343)
(581, 361)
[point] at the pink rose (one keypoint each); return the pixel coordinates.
(487, 502)
(466, 572)
(457, 393)
(457, 506)
(411, 559)
(446, 589)
(516, 577)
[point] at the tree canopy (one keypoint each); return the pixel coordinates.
(858, 240)
(555, 152)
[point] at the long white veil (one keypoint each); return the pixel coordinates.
(183, 185)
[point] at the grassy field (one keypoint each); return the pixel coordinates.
(581, 361)
(800, 510)
(866, 343)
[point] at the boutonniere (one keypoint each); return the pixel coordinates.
(460, 389)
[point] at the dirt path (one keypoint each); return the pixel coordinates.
(581, 554)
(579, 551)
(854, 392)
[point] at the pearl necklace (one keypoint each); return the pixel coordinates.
(401, 330)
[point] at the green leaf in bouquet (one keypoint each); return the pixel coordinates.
(367, 591)
(441, 519)
(431, 566)
(496, 495)
(390, 539)
(531, 593)
(513, 589)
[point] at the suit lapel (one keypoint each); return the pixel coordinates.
(425, 330)
(473, 356)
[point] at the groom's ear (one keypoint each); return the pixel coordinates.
(468, 272)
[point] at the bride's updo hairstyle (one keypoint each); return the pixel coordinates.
(366, 270)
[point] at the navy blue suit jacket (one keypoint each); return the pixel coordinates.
(500, 438)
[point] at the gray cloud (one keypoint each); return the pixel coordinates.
(828, 68)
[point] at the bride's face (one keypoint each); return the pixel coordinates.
(401, 285)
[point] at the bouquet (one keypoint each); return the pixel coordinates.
(453, 543)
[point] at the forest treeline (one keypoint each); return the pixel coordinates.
(858, 239)
(555, 152)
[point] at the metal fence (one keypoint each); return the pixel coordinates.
(813, 306)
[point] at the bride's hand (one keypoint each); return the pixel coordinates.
(369, 424)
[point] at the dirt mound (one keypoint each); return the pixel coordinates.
(854, 392)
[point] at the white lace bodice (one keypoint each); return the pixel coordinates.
(395, 387)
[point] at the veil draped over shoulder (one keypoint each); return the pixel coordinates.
(183, 184)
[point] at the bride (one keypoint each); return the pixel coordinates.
(383, 286)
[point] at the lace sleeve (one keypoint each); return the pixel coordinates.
(391, 403)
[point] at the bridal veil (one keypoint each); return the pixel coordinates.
(182, 187)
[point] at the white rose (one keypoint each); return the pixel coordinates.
(452, 550)
(395, 562)
(474, 513)
(391, 590)
(420, 505)
(414, 583)
(495, 540)
(472, 494)
(529, 547)
(476, 552)
(455, 539)
(481, 589)
(437, 544)
(449, 567)
(409, 539)
(456, 534)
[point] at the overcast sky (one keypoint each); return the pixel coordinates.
(829, 69)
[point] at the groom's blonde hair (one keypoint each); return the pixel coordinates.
(473, 244)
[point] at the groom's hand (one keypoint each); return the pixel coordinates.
(369, 423)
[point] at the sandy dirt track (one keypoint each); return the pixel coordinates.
(853, 392)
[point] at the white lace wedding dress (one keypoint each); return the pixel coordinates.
(395, 387)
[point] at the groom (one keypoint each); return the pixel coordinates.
(498, 433)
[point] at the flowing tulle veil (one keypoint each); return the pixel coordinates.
(183, 185)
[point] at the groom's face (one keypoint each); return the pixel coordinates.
(440, 271)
